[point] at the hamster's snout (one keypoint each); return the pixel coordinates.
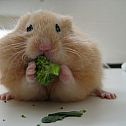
(44, 47)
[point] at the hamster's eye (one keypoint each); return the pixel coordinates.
(57, 28)
(29, 28)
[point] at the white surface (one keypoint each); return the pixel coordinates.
(103, 20)
(123, 67)
(4, 32)
(100, 112)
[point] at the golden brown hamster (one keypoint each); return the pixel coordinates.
(55, 36)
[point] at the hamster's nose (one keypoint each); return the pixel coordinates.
(45, 47)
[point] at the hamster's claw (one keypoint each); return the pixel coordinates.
(6, 96)
(30, 72)
(105, 95)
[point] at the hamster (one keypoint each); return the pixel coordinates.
(55, 36)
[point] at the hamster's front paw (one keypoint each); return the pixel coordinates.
(66, 75)
(30, 72)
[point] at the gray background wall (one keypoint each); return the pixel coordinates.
(103, 20)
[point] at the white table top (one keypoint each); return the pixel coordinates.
(100, 112)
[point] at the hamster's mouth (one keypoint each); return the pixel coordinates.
(49, 55)
(33, 59)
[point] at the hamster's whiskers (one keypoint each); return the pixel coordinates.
(12, 60)
(73, 51)
(15, 55)
(8, 47)
(14, 44)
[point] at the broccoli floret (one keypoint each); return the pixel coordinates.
(45, 70)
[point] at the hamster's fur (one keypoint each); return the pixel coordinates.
(68, 47)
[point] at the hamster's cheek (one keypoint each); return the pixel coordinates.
(32, 55)
(32, 51)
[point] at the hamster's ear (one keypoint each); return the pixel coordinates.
(66, 24)
(21, 24)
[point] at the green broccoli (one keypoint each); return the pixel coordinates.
(61, 115)
(45, 70)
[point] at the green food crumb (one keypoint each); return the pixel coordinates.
(5, 101)
(50, 119)
(33, 105)
(61, 115)
(46, 71)
(4, 120)
(61, 107)
(38, 125)
(23, 116)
